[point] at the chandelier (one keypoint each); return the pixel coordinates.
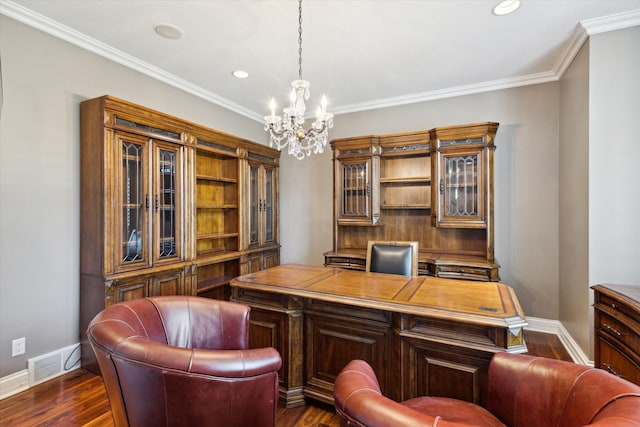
(289, 130)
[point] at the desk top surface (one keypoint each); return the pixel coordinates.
(488, 303)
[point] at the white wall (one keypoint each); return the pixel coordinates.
(614, 170)
(44, 79)
(526, 189)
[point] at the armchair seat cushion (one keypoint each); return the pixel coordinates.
(453, 411)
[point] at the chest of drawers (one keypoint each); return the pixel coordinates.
(617, 330)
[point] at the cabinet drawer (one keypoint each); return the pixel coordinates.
(616, 305)
(458, 272)
(619, 331)
(617, 362)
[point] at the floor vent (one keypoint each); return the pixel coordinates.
(51, 365)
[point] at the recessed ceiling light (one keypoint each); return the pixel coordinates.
(168, 31)
(506, 7)
(240, 74)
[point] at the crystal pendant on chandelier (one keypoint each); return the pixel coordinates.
(288, 130)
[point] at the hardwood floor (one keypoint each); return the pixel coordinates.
(79, 398)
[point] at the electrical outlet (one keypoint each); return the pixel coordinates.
(18, 346)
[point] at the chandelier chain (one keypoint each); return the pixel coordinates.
(299, 39)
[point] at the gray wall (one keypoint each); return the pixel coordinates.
(574, 199)
(43, 80)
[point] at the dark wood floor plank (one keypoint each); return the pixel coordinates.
(79, 398)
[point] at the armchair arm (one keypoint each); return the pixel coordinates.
(223, 363)
(358, 399)
(236, 363)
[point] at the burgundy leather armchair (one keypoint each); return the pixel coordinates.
(184, 361)
(524, 391)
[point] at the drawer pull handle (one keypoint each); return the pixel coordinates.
(612, 329)
(610, 369)
(614, 306)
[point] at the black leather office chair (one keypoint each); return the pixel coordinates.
(392, 257)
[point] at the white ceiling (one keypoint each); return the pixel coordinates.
(363, 54)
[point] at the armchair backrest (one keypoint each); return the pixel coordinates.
(392, 257)
(184, 361)
(527, 391)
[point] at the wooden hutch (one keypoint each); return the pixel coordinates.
(168, 207)
(434, 187)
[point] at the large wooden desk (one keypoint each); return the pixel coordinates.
(422, 335)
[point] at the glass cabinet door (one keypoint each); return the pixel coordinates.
(461, 189)
(358, 192)
(262, 204)
(130, 249)
(166, 203)
(254, 204)
(268, 205)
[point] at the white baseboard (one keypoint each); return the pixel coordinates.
(14, 383)
(40, 369)
(555, 327)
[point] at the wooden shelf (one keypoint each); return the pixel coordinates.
(215, 236)
(214, 283)
(217, 207)
(407, 206)
(216, 179)
(408, 180)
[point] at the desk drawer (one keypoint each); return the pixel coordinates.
(459, 272)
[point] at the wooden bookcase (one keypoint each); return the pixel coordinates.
(411, 188)
(163, 208)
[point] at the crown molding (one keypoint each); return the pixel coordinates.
(49, 26)
(583, 30)
(608, 23)
(570, 51)
(452, 92)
